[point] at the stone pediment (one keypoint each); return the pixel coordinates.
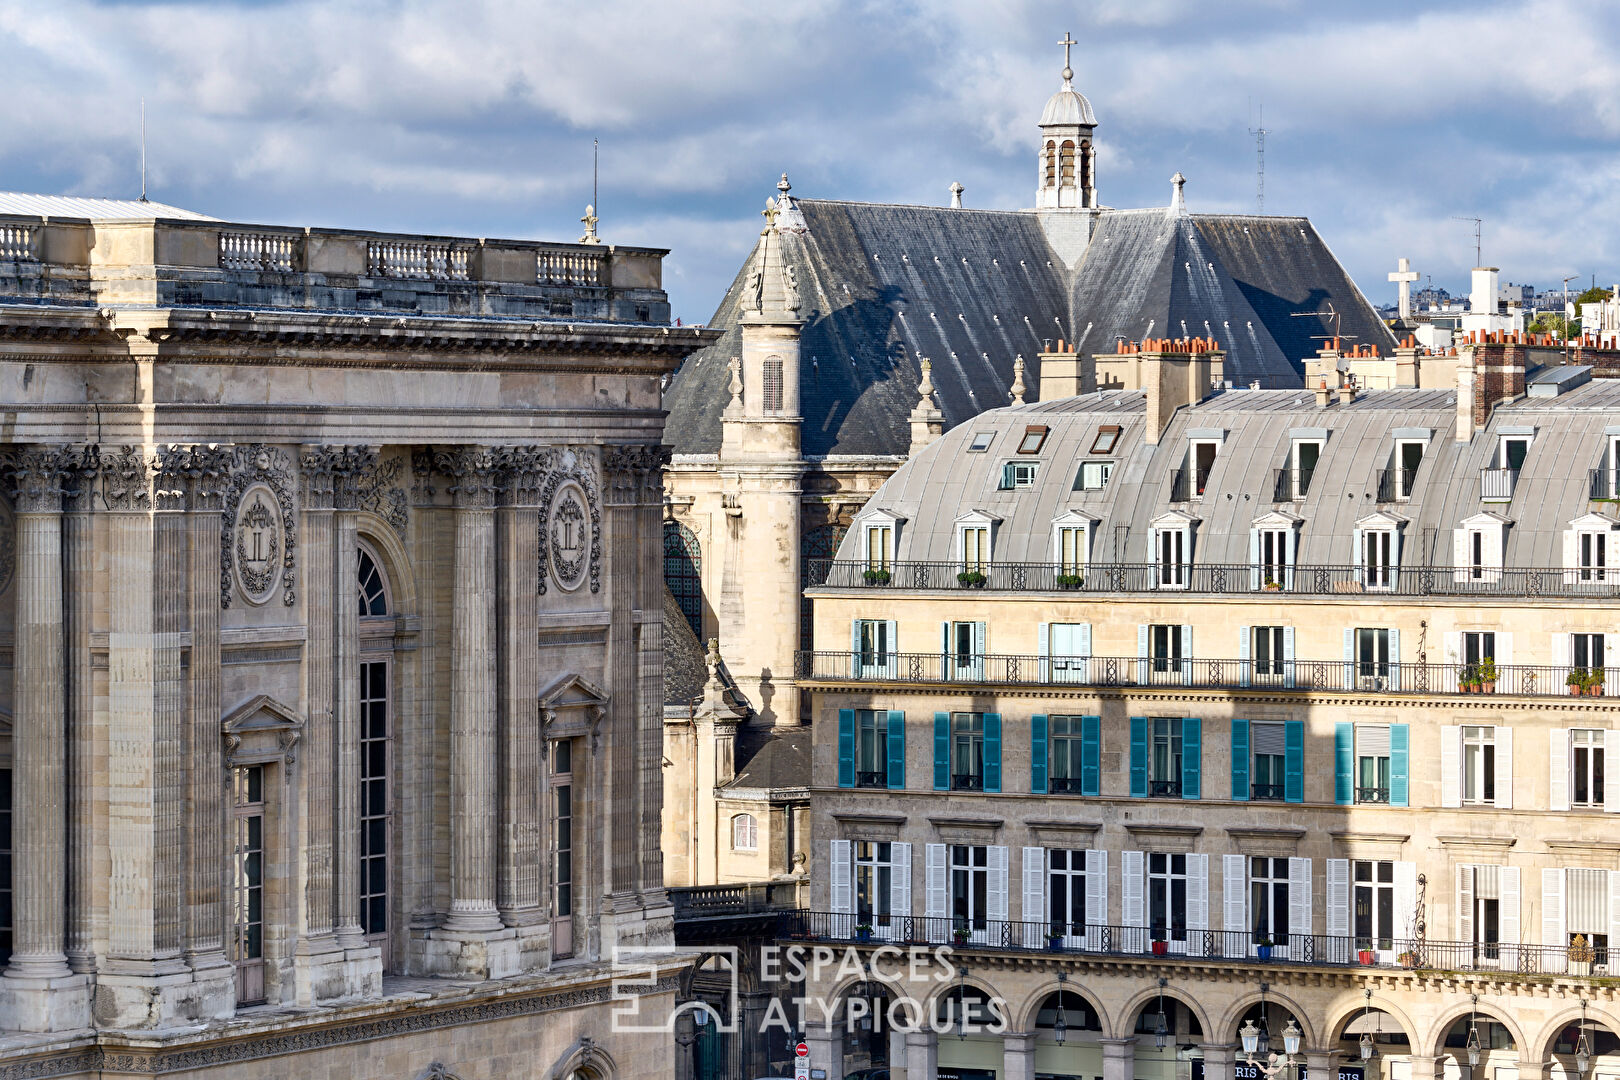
(261, 729)
(571, 706)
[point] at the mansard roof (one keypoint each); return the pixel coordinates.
(885, 286)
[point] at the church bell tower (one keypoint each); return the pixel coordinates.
(1067, 166)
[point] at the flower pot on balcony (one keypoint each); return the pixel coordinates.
(1595, 690)
(1054, 944)
(1263, 951)
(1408, 959)
(863, 934)
(877, 577)
(1488, 686)
(1160, 948)
(1364, 957)
(1581, 968)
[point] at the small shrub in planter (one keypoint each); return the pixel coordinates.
(1594, 683)
(1364, 957)
(1160, 948)
(1262, 948)
(1576, 681)
(1407, 959)
(972, 579)
(877, 577)
(1054, 941)
(1070, 581)
(1487, 676)
(863, 931)
(961, 935)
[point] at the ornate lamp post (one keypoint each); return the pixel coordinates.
(1257, 1043)
(1060, 1023)
(1161, 1033)
(1369, 1049)
(1583, 1046)
(1473, 1046)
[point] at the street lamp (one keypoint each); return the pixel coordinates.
(1161, 1033)
(1060, 1024)
(1473, 1034)
(961, 1003)
(1369, 1049)
(1583, 1047)
(1257, 1043)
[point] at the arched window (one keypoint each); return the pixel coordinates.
(744, 833)
(1085, 165)
(376, 739)
(771, 385)
(683, 566)
(1066, 163)
(373, 588)
(816, 550)
(1051, 164)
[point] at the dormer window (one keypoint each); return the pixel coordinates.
(1589, 550)
(1401, 478)
(1171, 540)
(1107, 437)
(1304, 451)
(1201, 457)
(1273, 540)
(1071, 546)
(974, 531)
(1034, 438)
(981, 441)
(1477, 547)
(1093, 475)
(880, 533)
(1377, 542)
(1018, 474)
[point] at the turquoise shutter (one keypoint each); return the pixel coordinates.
(1006, 477)
(1139, 757)
(1240, 760)
(992, 751)
(1399, 763)
(897, 749)
(942, 751)
(846, 747)
(1191, 752)
(1294, 760)
(1091, 755)
(1344, 763)
(1037, 755)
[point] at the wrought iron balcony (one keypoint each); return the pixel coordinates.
(1496, 485)
(1266, 792)
(872, 779)
(1372, 795)
(1395, 485)
(967, 782)
(1164, 789)
(1064, 785)
(1291, 484)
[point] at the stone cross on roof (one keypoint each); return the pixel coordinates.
(1404, 275)
(1068, 72)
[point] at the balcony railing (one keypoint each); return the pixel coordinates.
(1306, 676)
(1291, 484)
(1164, 789)
(1314, 950)
(1394, 485)
(1188, 484)
(707, 901)
(1064, 785)
(1603, 483)
(1378, 795)
(1266, 792)
(967, 782)
(872, 779)
(1217, 579)
(18, 243)
(1496, 485)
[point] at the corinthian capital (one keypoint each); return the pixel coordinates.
(36, 479)
(633, 469)
(124, 482)
(473, 473)
(333, 475)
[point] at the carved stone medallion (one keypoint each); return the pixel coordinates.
(568, 536)
(258, 543)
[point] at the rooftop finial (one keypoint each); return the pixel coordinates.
(1068, 72)
(789, 218)
(1018, 380)
(1178, 195)
(590, 219)
(956, 194)
(927, 422)
(925, 389)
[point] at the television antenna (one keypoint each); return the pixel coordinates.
(143, 149)
(1332, 314)
(1260, 134)
(1476, 222)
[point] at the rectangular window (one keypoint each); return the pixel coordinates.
(1164, 646)
(1514, 450)
(1372, 654)
(1268, 900)
(1066, 891)
(1478, 647)
(1172, 558)
(1203, 462)
(1378, 558)
(981, 441)
(374, 803)
(1479, 765)
(1266, 775)
(874, 878)
(1372, 763)
(1034, 438)
(1408, 456)
(1266, 648)
(1487, 913)
(1476, 555)
(1586, 650)
(1374, 904)
(1167, 896)
(1594, 555)
(1586, 764)
(877, 651)
(1306, 455)
(1018, 474)
(967, 751)
(247, 883)
(970, 886)
(871, 748)
(1067, 653)
(1273, 558)
(562, 848)
(1164, 758)
(1107, 436)
(1071, 543)
(1093, 475)
(879, 547)
(975, 548)
(1064, 755)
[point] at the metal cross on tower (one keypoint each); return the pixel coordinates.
(1068, 43)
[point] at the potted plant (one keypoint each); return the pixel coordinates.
(1487, 675)
(1580, 956)
(1263, 947)
(1070, 581)
(972, 579)
(1054, 941)
(1576, 681)
(877, 577)
(1468, 681)
(1365, 957)
(1594, 683)
(1160, 946)
(1407, 959)
(961, 934)
(863, 932)
(1272, 585)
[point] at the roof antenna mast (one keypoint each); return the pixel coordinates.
(1476, 222)
(143, 149)
(1260, 134)
(595, 153)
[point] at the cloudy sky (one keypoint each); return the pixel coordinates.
(1388, 120)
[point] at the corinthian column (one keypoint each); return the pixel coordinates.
(517, 537)
(472, 693)
(40, 992)
(352, 463)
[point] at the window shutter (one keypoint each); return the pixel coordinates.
(1562, 650)
(1007, 476)
(1197, 894)
(996, 907)
(1291, 539)
(1558, 765)
(1142, 651)
(1552, 912)
(1349, 658)
(1504, 768)
(1037, 755)
(1571, 558)
(947, 653)
(1288, 655)
(1453, 644)
(1405, 898)
(1299, 897)
(1464, 908)
(1611, 770)
(1240, 761)
(900, 880)
(846, 747)
(1083, 639)
(1358, 558)
(1131, 911)
(1186, 651)
(1043, 649)
(1509, 920)
(1614, 906)
(1294, 761)
(897, 750)
(1234, 893)
(1338, 901)
(1394, 658)
(891, 645)
(1033, 909)
(1154, 561)
(1344, 763)
(1461, 563)
(1450, 765)
(1400, 765)
(978, 641)
(1191, 758)
(1504, 652)
(1395, 555)
(942, 751)
(1091, 755)
(1139, 757)
(937, 900)
(992, 753)
(1254, 558)
(1244, 635)
(855, 667)
(1096, 888)
(842, 901)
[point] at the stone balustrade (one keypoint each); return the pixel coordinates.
(17, 243)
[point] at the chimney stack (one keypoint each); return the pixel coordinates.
(1323, 397)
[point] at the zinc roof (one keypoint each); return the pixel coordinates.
(74, 206)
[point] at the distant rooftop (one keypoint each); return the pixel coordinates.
(59, 206)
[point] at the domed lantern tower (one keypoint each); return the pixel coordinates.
(1067, 166)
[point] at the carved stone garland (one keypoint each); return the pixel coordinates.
(253, 466)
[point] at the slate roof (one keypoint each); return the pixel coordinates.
(772, 758)
(1571, 434)
(971, 289)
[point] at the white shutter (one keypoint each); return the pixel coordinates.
(1614, 912)
(1611, 770)
(1463, 914)
(1461, 557)
(1243, 655)
(843, 901)
(1450, 765)
(1508, 905)
(1338, 898)
(1131, 910)
(1562, 651)
(1571, 571)
(1096, 888)
(1234, 893)
(1082, 643)
(1453, 644)
(1034, 904)
(1504, 768)
(996, 908)
(1043, 649)
(1299, 897)
(1504, 652)
(1288, 655)
(1197, 892)
(1558, 769)
(900, 881)
(1552, 908)
(937, 873)
(1405, 899)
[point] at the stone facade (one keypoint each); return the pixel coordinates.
(333, 619)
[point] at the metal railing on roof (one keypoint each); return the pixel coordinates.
(1175, 672)
(1496, 485)
(1220, 579)
(1291, 484)
(1603, 484)
(1395, 485)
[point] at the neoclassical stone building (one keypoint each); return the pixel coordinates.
(331, 633)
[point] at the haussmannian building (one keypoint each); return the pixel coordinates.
(331, 633)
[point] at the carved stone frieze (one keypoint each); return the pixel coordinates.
(378, 491)
(257, 535)
(571, 524)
